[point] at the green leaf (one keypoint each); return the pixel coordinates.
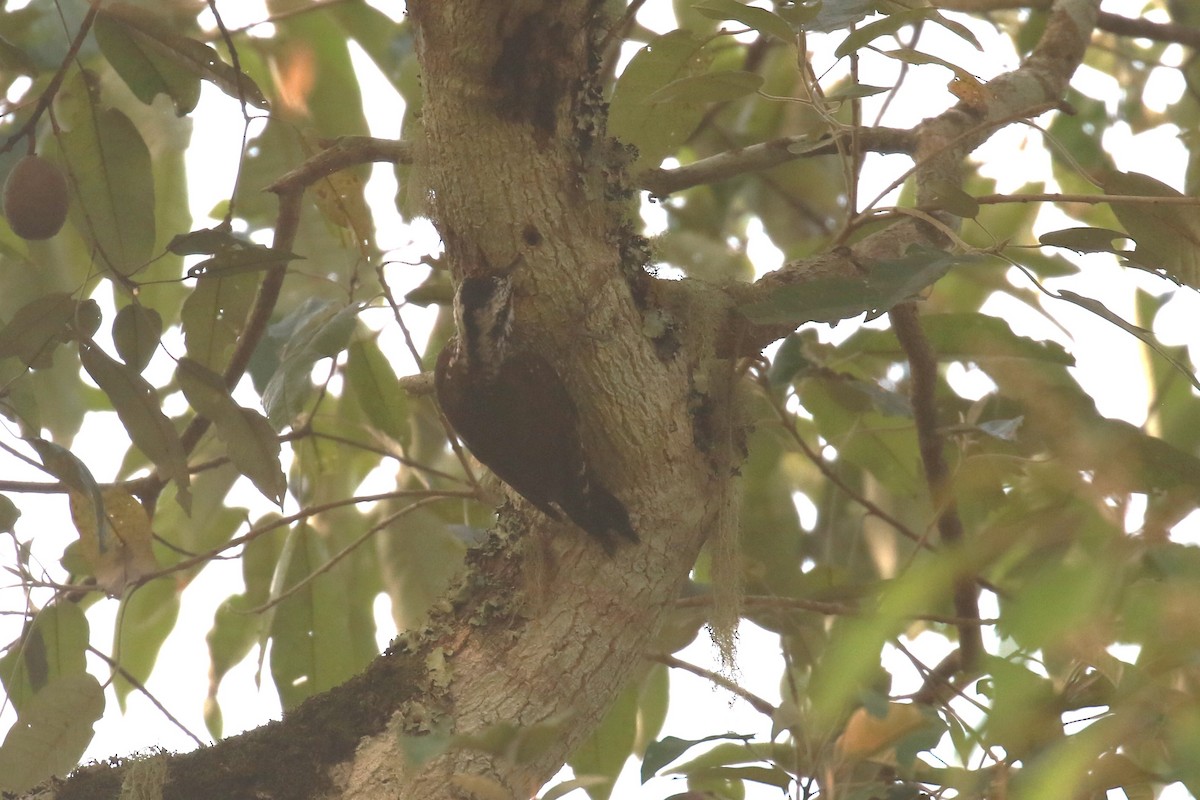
(1167, 236)
(137, 406)
(230, 640)
(214, 316)
(376, 34)
(52, 733)
(711, 87)
(317, 329)
(962, 337)
(957, 28)
(136, 333)
(653, 702)
(146, 617)
(419, 555)
(14, 59)
(266, 560)
(1084, 240)
(112, 170)
(702, 255)
(853, 91)
(240, 259)
(1101, 310)
(802, 14)
(840, 16)
(209, 524)
(249, 439)
(254, 449)
(208, 241)
(770, 776)
(52, 647)
(1077, 592)
(276, 586)
(41, 325)
(1024, 714)
(1080, 152)
(853, 653)
(950, 197)
(517, 743)
(9, 514)
(882, 27)
(377, 391)
(610, 745)
(1121, 457)
(236, 629)
(760, 19)
(656, 131)
(669, 748)
(768, 509)
(885, 284)
(175, 56)
(312, 650)
(145, 64)
(910, 56)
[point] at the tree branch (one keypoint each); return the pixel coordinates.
(51, 91)
(506, 95)
(764, 155)
(923, 375)
(941, 145)
(339, 154)
(760, 705)
(1105, 21)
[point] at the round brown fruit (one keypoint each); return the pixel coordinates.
(35, 198)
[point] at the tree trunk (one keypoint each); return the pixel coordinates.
(545, 628)
(520, 171)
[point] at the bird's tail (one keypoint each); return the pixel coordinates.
(602, 515)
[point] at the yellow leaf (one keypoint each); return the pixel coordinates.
(340, 199)
(123, 551)
(970, 90)
(867, 735)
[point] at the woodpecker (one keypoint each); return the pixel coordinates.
(512, 410)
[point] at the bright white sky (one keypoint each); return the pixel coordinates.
(1111, 367)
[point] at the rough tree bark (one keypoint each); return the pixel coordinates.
(546, 628)
(518, 167)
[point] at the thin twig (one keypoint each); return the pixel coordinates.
(760, 705)
(290, 190)
(1056, 197)
(390, 297)
(386, 453)
(280, 16)
(764, 155)
(305, 513)
(1135, 27)
(286, 225)
(51, 90)
(135, 683)
(823, 467)
(610, 47)
(827, 608)
(345, 551)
